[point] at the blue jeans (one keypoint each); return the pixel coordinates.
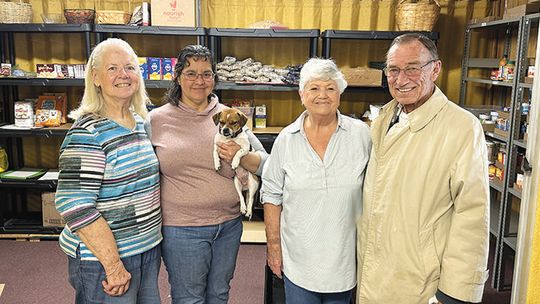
(86, 277)
(201, 261)
(295, 294)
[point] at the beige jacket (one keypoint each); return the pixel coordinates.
(425, 219)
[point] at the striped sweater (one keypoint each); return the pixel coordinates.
(109, 171)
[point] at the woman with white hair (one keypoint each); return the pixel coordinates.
(312, 192)
(108, 189)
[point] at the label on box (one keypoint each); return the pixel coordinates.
(260, 116)
(173, 12)
(6, 69)
(154, 68)
(143, 65)
(166, 68)
(24, 114)
(45, 71)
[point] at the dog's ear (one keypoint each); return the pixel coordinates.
(242, 118)
(216, 118)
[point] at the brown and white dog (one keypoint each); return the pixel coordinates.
(230, 123)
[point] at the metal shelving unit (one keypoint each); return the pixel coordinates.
(504, 221)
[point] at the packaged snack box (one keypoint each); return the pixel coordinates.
(166, 68)
(143, 65)
(154, 68)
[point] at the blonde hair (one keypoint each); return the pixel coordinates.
(92, 101)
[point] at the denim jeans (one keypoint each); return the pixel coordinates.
(86, 277)
(295, 294)
(201, 261)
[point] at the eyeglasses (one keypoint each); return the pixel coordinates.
(129, 69)
(411, 71)
(207, 76)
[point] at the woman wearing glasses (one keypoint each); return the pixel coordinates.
(202, 224)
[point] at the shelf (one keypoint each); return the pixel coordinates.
(372, 35)
(28, 228)
(157, 84)
(45, 27)
(515, 192)
(496, 185)
(502, 22)
(34, 184)
(520, 143)
(45, 132)
(489, 81)
(491, 63)
(263, 33)
(496, 136)
(511, 241)
(269, 130)
(525, 85)
(42, 82)
(254, 87)
(149, 30)
(254, 232)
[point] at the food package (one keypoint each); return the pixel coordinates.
(24, 114)
(166, 68)
(54, 101)
(154, 68)
(48, 118)
(143, 65)
(5, 69)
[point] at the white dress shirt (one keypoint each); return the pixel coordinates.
(321, 201)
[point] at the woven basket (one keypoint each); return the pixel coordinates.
(417, 15)
(15, 12)
(112, 17)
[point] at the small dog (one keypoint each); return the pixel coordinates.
(230, 123)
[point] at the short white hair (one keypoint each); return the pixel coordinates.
(321, 69)
(92, 100)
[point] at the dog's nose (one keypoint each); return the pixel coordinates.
(226, 131)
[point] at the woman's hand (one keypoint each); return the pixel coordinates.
(274, 258)
(227, 150)
(118, 279)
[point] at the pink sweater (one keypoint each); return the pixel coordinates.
(192, 192)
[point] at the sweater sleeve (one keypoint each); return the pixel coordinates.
(258, 148)
(81, 166)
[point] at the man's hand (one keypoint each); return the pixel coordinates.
(274, 258)
(227, 150)
(118, 279)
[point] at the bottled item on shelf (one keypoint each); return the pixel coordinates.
(492, 170)
(260, 116)
(499, 174)
(519, 181)
(501, 156)
(525, 106)
(491, 146)
(509, 71)
(502, 64)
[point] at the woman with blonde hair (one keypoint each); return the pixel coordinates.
(108, 188)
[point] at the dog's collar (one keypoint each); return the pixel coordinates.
(237, 132)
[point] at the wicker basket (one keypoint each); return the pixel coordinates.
(112, 17)
(15, 12)
(80, 16)
(417, 15)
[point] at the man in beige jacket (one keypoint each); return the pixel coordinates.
(423, 233)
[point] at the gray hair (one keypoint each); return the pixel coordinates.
(321, 69)
(412, 37)
(92, 101)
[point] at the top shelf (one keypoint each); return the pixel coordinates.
(44, 27)
(149, 30)
(372, 35)
(263, 33)
(502, 22)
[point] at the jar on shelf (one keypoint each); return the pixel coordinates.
(501, 156)
(509, 71)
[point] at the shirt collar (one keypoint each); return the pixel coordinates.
(298, 124)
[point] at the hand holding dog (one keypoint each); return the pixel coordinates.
(227, 150)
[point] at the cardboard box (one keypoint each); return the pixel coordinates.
(362, 77)
(166, 69)
(173, 13)
(501, 132)
(154, 68)
(521, 10)
(51, 217)
(488, 127)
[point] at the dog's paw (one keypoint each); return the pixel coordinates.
(217, 167)
(243, 210)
